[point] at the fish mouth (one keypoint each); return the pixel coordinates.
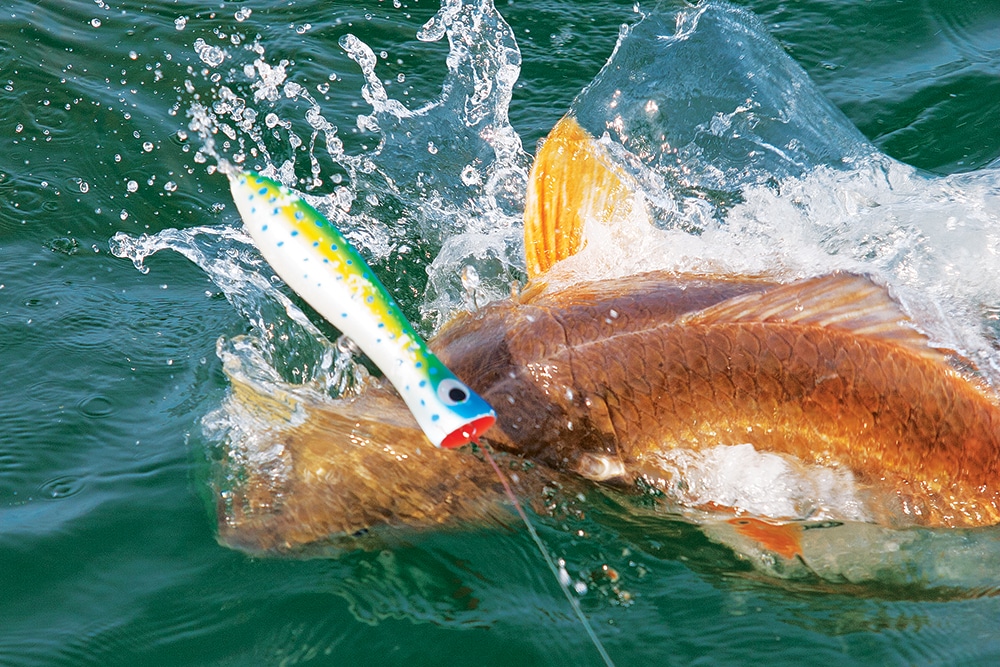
(468, 432)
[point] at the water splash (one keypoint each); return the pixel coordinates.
(747, 171)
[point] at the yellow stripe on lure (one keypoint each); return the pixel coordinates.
(318, 263)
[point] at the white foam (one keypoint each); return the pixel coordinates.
(759, 483)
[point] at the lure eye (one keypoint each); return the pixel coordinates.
(453, 392)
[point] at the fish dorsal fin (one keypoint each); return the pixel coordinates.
(572, 181)
(837, 300)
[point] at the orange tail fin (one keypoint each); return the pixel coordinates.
(572, 181)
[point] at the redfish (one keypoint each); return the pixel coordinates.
(594, 380)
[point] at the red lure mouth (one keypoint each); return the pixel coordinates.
(467, 433)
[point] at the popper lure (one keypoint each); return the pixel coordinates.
(319, 264)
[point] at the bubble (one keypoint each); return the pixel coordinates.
(242, 14)
(471, 176)
(431, 148)
(132, 186)
(302, 29)
(95, 22)
(147, 146)
(84, 185)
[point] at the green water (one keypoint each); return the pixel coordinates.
(107, 543)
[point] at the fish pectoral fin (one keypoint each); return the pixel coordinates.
(784, 539)
(839, 300)
(573, 181)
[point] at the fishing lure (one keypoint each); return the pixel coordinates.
(319, 264)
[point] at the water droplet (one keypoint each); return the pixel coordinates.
(84, 185)
(431, 148)
(133, 55)
(95, 22)
(132, 186)
(170, 186)
(212, 56)
(147, 146)
(242, 14)
(123, 215)
(181, 22)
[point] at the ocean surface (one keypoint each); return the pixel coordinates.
(782, 137)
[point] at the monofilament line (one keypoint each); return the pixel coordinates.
(573, 602)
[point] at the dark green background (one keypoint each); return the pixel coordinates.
(107, 550)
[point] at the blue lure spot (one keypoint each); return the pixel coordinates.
(333, 248)
(419, 364)
(370, 299)
(434, 418)
(343, 314)
(262, 191)
(299, 215)
(433, 371)
(315, 243)
(263, 228)
(295, 232)
(423, 383)
(275, 211)
(281, 243)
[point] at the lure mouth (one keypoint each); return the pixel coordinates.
(467, 432)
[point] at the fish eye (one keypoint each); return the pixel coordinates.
(453, 392)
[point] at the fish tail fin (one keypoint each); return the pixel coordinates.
(572, 181)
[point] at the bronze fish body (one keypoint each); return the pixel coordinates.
(596, 379)
(821, 370)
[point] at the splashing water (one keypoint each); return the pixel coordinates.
(748, 171)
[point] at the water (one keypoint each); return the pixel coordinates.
(107, 519)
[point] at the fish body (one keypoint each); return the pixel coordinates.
(599, 379)
(601, 386)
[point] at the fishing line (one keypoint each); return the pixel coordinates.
(548, 559)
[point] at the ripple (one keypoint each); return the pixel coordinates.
(60, 487)
(96, 407)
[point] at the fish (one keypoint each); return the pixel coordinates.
(592, 381)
